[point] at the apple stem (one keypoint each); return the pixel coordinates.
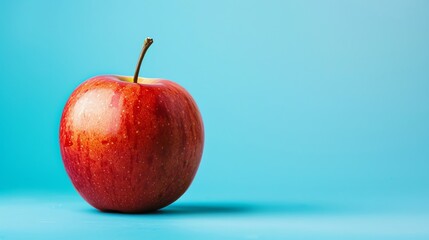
(147, 42)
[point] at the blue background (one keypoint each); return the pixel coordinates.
(315, 112)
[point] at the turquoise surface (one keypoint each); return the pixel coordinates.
(316, 115)
(49, 216)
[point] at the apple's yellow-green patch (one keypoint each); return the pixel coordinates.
(139, 80)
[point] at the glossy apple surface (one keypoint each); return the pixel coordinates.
(131, 147)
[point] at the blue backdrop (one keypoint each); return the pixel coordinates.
(296, 98)
(301, 99)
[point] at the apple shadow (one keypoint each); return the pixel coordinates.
(248, 209)
(205, 209)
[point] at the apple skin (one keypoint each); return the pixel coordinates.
(131, 147)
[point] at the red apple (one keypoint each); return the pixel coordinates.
(131, 144)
